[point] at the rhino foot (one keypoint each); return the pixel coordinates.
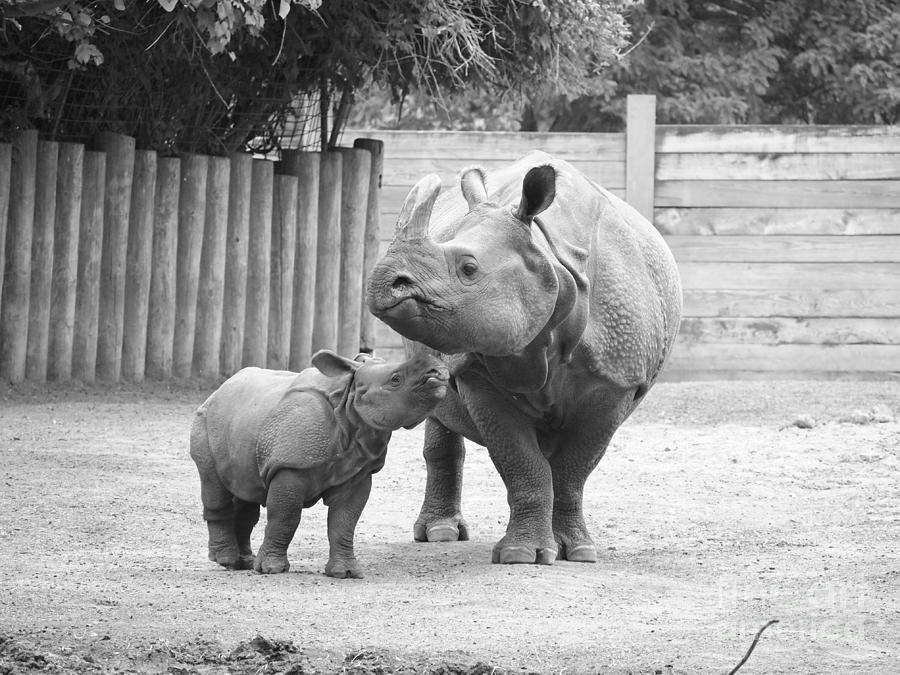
(515, 554)
(271, 563)
(586, 553)
(343, 569)
(443, 529)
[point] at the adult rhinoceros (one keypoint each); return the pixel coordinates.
(555, 304)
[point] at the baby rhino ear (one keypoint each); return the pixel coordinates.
(333, 365)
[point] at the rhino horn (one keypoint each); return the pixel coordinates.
(472, 182)
(416, 210)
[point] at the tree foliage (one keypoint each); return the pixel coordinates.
(218, 75)
(754, 61)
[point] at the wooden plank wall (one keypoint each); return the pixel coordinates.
(119, 264)
(787, 238)
(788, 243)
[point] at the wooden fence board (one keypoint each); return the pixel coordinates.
(328, 256)
(65, 261)
(304, 165)
(474, 145)
(42, 260)
(775, 248)
(256, 317)
(164, 257)
(281, 290)
(139, 258)
(777, 166)
(5, 176)
(119, 174)
(191, 219)
(406, 172)
(790, 330)
(837, 194)
(639, 160)
(356, 165)
(17, 275)
(730, 221)
(782, 139)
(372, 234)
(788, 276)
(234, 302)
(211, 285)
(872, 358)
(792, 303)
(90, 251)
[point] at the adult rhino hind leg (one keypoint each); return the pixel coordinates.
(577, 455)
(246, 515)
(218, 510)
(440, 518)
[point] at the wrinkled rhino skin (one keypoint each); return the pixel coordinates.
(284, 440)
(555, 304)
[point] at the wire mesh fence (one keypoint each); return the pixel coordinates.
(171, 100)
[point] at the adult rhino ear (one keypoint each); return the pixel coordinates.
(538, 192)
(473, 183)
(332, 364)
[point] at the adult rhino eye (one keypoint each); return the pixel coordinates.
(467, 269)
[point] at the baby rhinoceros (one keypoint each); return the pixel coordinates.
(285, 440)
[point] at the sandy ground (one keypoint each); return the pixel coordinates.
(712, 511)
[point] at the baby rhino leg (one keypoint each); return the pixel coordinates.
(345, 505)
(288, 491)
(218, 511)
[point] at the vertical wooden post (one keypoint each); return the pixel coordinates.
(640, 153)
(372, 237)
(17, 276)
(65, 260)
(5, 176)
(90, 247)
(281, 290)
(256, 318)
(138, 260)
(304, 165)
(235, 294)
(42, 260)
(328, 256)
(119, 173)
(356, 166)
(163, 265)
(211, 291)
(191, 217)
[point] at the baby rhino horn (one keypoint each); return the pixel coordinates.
(416, 210)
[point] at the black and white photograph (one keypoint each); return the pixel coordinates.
(450, 337)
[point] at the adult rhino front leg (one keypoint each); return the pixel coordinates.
(512, 444)
(440, 518)
(579, 449)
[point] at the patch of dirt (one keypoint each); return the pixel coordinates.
(714, 511)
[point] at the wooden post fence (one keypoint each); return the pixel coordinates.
(372, 237)
(42, 260)
(17, 275)
(356, 166)
(256, 320)
(328, 257)
(65, 261)
(234, 301)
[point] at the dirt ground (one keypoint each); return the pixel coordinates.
(713, 512)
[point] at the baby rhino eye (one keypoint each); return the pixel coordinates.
(396, 379)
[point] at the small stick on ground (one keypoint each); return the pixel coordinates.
(752, 647)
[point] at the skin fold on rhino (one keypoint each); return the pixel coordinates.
(284, 440)
(555, 305)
